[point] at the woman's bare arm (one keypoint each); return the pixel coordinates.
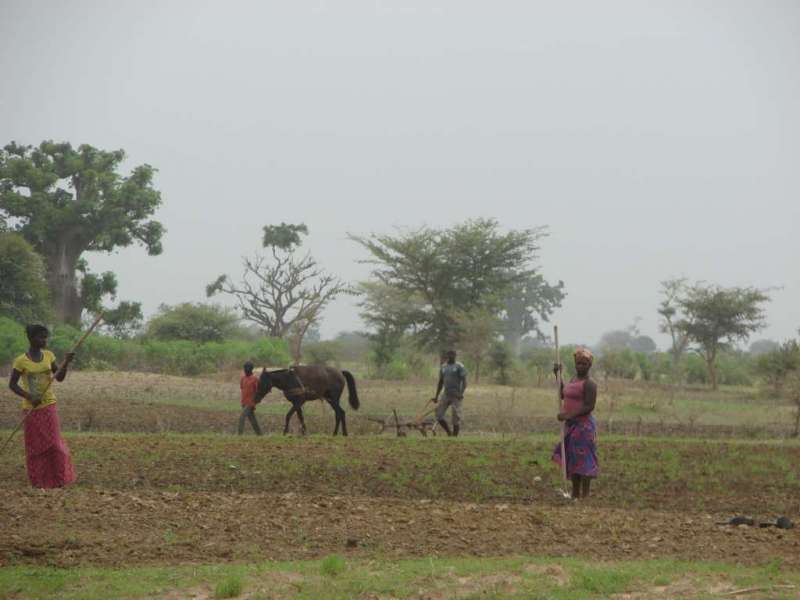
(13, 385)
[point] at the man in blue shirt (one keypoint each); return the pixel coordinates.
(453, 379)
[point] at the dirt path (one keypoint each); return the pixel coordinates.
(91, 527)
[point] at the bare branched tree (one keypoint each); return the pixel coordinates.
(282, 293)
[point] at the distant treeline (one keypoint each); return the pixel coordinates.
(174, 357)
(152, 352)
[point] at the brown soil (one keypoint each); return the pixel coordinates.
(176, 499)
(79, 526)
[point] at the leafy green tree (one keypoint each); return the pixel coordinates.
(193, 322)
(123, 321)
(285, 236)
(777, 366)
(539, 359)
(23, 294)
(528, 304)
(67, 202)
(714, 318)
(435, 274)
(13, 342)
(384, 346)
(477, 329)
(387, 311)
(283, 293)
(501, 361)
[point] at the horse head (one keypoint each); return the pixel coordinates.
(264, 385)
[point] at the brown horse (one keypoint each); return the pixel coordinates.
(302, 383)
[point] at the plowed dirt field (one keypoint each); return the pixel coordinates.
(170, 499)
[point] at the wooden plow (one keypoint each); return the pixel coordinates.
(403, 426)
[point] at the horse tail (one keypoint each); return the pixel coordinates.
(351, 390)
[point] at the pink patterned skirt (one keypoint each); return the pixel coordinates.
(580, 443)
(46, 453)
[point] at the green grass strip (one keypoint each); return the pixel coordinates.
(336, 577)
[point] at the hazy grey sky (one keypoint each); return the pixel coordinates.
(655, 139)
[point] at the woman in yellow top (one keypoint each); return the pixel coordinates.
(47, 456)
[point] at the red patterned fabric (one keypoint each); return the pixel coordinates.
(46, 453)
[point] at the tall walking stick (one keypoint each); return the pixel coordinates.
(563, 424)
(52, 377)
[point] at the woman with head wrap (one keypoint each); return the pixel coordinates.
(47, 456)
(580, 442)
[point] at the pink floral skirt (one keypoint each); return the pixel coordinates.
(46, 453)
(580, 443)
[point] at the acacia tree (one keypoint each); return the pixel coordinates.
(672, 290)
(715, 317)
(441, 273)
(283, 293)
(67, 202)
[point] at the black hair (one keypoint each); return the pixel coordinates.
(249, 366)
(35, 329)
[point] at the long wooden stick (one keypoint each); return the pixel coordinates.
(560, 403)
(52, 377)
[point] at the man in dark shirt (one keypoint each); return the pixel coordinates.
(453, 379)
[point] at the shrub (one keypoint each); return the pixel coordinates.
(656, 366)
(353, 346)
(230, 587)
(696, 370)
(332, 565)
(193, 322)
(733, 368)
(396, 370)
(501, 362)
(776, 366)
(623, 364)
(12, 341)
(539, 361)
(176, 357)
(321, 353)
(270, 351)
